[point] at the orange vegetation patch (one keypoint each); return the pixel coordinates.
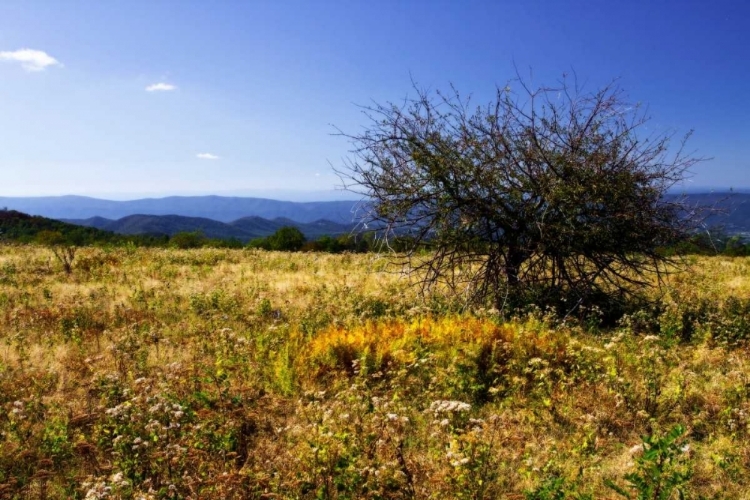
(401, 339)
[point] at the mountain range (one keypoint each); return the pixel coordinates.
(732, 210)
(247, 218)
(218, 208)
(243, 229)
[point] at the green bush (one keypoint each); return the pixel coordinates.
(286, 239)
(187, 240)
(661, 470)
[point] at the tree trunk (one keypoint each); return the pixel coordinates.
(514, 259)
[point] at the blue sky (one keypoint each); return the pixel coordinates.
(250, 90)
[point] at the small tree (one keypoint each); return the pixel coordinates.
(63, 249)
(286, 239)
(186, 240)
(551, 195)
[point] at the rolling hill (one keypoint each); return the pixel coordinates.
(218, 208)
(18, 226)
(732, 210)
(247, 218)
(243, 229)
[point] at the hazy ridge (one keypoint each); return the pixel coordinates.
(218, 208)
(244, 218)
(243, 229)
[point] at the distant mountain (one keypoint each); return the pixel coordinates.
(311, 230)
(218, 208)
(243, 229)
(732, 210)
(252, 217)
(257, 225)
(173, 224)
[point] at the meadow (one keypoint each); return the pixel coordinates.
(220, 373)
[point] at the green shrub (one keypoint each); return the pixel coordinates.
(660, 471)
(186, 240)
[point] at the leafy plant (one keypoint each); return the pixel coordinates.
(661, 470)
(556, 488)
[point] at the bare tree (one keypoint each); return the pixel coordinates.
(551, 195)
(62, 248)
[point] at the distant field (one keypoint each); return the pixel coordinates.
(153, 373)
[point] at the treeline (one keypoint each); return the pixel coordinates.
(291, 239)
(713, 243)
(19, 227)
(23, 228)
(286, 239)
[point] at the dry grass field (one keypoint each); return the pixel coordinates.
(248, 374)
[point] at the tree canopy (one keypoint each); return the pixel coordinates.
(552, 195)
(285, 239)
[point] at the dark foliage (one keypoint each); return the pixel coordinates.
(354, 243)
(186, 240)
(17, 226)
(713, 242)
(288, 239)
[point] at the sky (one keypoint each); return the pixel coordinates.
(123, 99)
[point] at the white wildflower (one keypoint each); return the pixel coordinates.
(449, 406)
(119, 480)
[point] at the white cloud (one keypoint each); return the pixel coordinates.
(207, 156)
(31, 60)
(160, 87)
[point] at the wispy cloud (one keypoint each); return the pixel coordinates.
(30, 60)
(207, 156)
(161, 87)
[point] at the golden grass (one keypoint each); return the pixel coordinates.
(267, 375)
